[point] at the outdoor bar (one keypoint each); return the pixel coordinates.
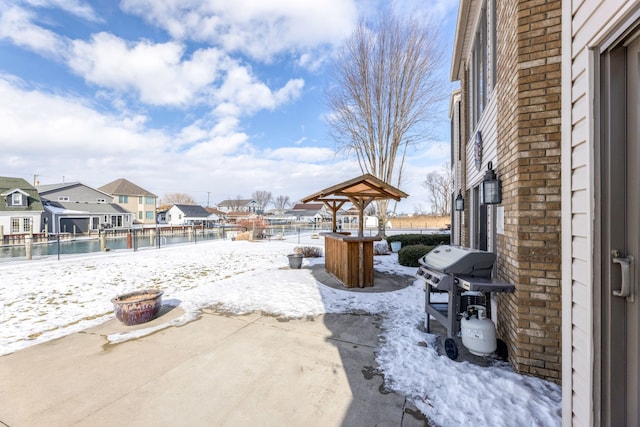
(347, 257)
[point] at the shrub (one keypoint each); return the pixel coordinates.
(420, 239)
(409, 255)
(308, 251)
(254, 227)
(246, 235)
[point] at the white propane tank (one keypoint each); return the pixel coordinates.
(478, 332)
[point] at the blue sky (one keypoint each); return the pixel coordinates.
(215, 99)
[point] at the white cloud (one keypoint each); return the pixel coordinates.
(74, 7)
(16, 26)
(156, 71)
(62, 137)
(202, 141)
(242, 92)
(32, 121)
(162, 76)
(260, 29)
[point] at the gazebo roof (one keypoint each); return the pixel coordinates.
(365, 187)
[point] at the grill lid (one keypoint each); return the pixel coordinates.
(459, 260)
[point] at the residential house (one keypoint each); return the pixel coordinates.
(600, 130)
(187, 215)
(20, 207)
(506, 129)
(313, 213)
(279, 217)
(77, 208)
(349, 219)
(239, 205)
(134, 199)
(215, 216)
(235, 217)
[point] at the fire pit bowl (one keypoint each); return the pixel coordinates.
(137, 307)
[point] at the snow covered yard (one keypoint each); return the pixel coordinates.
(45, 299)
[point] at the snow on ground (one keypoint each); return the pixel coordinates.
(44, 299)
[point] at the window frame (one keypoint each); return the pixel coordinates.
(483, 70)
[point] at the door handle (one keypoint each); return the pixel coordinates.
(625, 267)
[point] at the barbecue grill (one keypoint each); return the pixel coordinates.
(461, 272)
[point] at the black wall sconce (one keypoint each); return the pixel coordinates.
(491, 187)
(459, 201)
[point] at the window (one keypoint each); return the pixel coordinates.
(150, 201)
(16, 199)
(139, 200)
(483, 63)
(149, 215)
(123, 199)
(15, 225)
(139, 214)
(26, 225)
(116, 221)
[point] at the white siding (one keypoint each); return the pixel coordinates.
(586, 23)
(488, 127)
(456, 164)
(175, 216)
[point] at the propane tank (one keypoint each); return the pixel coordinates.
(478, 332)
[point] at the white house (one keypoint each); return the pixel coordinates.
(239, 205)
(20, 207)
(187, 215)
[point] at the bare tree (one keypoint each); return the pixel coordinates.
(282, 202)
(419, 209)
(440, 185)
(386, 88)
(237, 203)
(371, 210)
(262, 198)
(177, 199)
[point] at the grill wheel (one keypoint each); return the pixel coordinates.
(451, 348)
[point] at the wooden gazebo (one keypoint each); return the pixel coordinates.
(350, 258)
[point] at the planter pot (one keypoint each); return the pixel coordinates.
(295, 260)
(137, 307)
(395, 246)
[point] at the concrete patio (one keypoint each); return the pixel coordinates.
(218, 370)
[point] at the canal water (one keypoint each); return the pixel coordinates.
(139, 241)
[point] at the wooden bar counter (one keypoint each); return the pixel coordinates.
(350, 258)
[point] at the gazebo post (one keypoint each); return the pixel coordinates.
(334, 206)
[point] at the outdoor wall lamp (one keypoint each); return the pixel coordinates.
(490, 187)
(459, 201)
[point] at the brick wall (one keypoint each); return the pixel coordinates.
(529, 55)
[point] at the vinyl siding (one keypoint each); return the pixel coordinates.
(487, 126)
(584, 24)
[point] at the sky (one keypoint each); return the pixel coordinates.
(36, 306)
(212, 99)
